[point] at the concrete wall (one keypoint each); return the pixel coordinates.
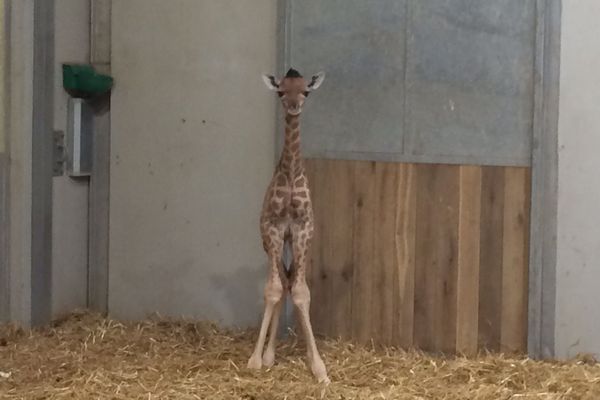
(19, 138)
(25, 292)
(3, 173)
(2, 77)
(578, 252)
(70, 196)
(192, 143)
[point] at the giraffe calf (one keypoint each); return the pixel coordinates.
(287, 217)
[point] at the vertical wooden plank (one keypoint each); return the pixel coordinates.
(384, 248)
(490, 261)
(468, 260)
(436, 257)
(515, 260)
(337, 243)
(405, 255)
(424, 298)
(363, 225)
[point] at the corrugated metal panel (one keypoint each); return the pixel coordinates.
(427, 80)
(360, 45)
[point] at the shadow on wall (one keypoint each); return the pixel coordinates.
(240, 295)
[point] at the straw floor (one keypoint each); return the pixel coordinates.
(89, 357)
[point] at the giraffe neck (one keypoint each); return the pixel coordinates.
(290, 162)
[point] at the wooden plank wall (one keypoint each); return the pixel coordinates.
(420, 255)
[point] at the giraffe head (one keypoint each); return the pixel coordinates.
(293, 89)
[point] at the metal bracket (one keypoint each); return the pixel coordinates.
(59, 155)
(79, 138)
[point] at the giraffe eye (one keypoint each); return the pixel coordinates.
(306, 94)
(279, 93)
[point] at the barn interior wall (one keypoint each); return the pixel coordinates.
(578, 251)
(192, 142)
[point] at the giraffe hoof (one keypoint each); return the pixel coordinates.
(319, 371)
(268, 358)
(255, 362)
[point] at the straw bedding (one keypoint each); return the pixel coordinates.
(88, 357)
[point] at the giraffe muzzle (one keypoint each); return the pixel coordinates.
(294, 111)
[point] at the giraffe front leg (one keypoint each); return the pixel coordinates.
(301, 299)
(273, 240)
(273, 295)
(268, 358)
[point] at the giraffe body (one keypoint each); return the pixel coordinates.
(287, 217)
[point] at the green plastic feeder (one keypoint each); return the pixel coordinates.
(83, 82)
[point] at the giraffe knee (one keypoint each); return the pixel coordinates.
(273, 291)
(300, 294)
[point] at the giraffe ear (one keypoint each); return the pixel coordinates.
(271, 82)
(316, 81)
